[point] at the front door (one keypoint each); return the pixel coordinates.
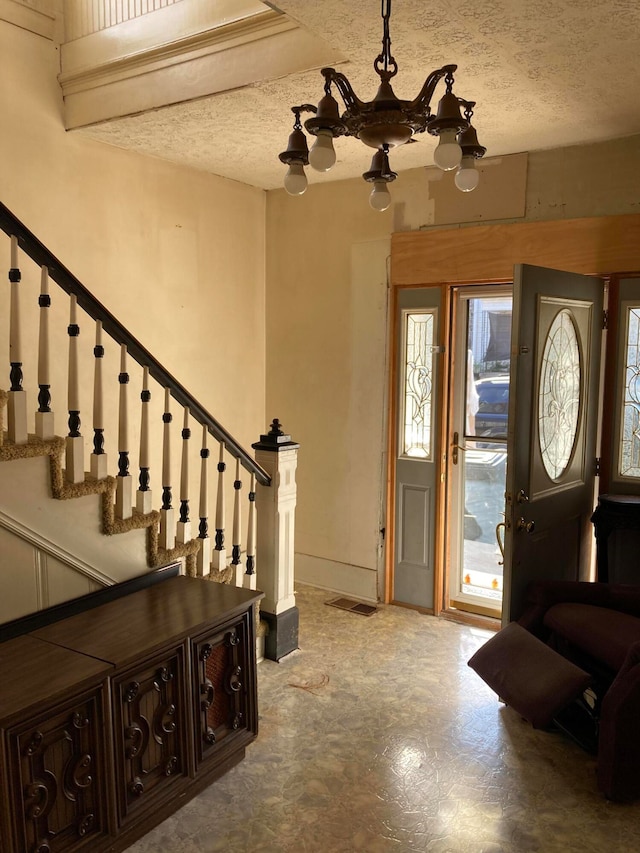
(479, 403)
(553, 411)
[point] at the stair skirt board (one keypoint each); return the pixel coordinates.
(41, 543)
(352, 606)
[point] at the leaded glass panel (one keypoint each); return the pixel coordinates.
(630, 433)
(559, 394)
(418, 384)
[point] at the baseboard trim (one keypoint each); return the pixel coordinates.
(344, 578)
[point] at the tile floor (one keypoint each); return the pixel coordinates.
(377, 737)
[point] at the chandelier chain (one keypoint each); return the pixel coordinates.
(385, 59)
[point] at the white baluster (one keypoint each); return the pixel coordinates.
(75, 443)
(99, 463)
(17, 403)
(236, 557)
(123, 480)
(204, 554)
(219, 554)
(167, 516)
(144, 503)
(250, 577)
(44, 416)
(183, 533)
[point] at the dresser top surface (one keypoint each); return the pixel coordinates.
(34, 672)
(137, 624)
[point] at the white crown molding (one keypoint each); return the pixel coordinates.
(265, 47)
(234, 34)
(48, 547)
(37, 16)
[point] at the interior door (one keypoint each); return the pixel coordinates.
(553, 410)
(417, 334)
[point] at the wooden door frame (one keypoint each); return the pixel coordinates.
(603, 246)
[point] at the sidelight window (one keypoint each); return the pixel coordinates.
(418, 384)
(629, 459)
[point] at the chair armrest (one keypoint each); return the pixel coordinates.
(619, 745)
(548, 593)
(542, 595)
(630, 665)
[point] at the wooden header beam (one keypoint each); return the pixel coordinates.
(475, 254)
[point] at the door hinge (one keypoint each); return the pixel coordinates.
(598, 466)
(605, 318)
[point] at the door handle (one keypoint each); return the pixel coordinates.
(527, 526)
(500, 528)
(456, 448)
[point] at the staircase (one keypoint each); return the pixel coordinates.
(63, 491)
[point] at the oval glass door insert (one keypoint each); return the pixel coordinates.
(559, 395)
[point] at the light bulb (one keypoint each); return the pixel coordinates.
(322, 156)
(295, 181)
(448, 153)
(467, 176)
(380, 197)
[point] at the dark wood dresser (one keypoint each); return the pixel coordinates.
(112, 719)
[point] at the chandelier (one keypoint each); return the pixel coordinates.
(384, 123)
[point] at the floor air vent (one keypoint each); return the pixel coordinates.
(352, 606)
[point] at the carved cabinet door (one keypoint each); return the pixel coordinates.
(223, 668)
(151, 723)
(56, 763)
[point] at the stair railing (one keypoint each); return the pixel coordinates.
(174, 536)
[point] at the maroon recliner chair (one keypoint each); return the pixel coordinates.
(572, 637)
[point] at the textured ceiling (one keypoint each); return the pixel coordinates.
(544, 73)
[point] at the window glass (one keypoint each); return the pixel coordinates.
(629, 464)
(559, 395)
(418, 384)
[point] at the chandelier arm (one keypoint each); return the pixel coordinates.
(351, 100)
(423, 99)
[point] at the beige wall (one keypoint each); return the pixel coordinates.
(326, 306)
(176, 254)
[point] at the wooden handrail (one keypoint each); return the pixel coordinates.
(65, 279)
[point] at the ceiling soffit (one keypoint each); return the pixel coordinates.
(131, 67)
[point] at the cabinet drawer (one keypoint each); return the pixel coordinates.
(223, 668)
(59, 778)
(151, 724)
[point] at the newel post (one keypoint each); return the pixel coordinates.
(276, 508)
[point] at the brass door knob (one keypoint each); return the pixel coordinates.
(527, 526)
